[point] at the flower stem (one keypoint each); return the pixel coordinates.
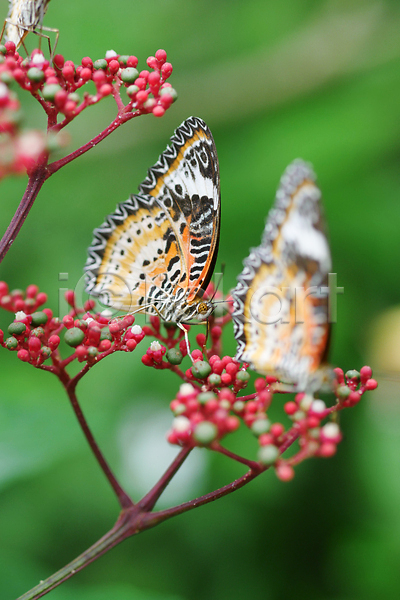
(123, 498)
(121, 530)
(119, 120)
(36, 180)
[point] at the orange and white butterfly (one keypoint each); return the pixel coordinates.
(157, 251)
(280, 309)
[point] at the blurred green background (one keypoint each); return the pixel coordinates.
(274, 80)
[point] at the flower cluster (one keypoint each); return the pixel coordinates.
(202, 417)
(19, 150)
(209, 404)
(56, 85)
(35, 334)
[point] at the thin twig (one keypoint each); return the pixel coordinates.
(123, 498)
(35, 183)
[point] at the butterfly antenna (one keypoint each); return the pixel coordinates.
(219, 281)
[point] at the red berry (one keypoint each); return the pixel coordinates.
(260, 384)
(226, 379)
(371, 384)
(158, 111)
(23, 355)
(53, 342)
(34, 344)
(106, 89)
(113, 65)
(161, 56)
(131, 344)
(327, 449)
(132, 62)
(31, 291)
(152, 62)
(86, 74)
(277, 429)
(41, 298)
(147, 361)
(141, 84)
(58, 61)
(284, 472)
(290, 408)
(197, 355)
(141, 96)
(68, 72)
(166, 70)
(70, 297)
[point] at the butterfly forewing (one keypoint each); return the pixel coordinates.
(280, 312)
(185, 182)
(158, 248)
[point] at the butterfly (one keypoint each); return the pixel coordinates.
(280, 304)
(25, 16)
(157, 251)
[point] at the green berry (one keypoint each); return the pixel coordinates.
(35, 74)
(214, 379)
(3, 49)
(343, 392)
(170, 91)
(49, 91)
(201, 369)
(174, 356)
(129, 75)
(16, 328)
(74, 336)
(260, 426)
(205, 433)
(38, 332)
(11, 343)
(353, 374)
(100, 64)
(268, 454)
(74, 97)
(6, 78)
(92, 351)
(131, 91)
(243, 376)
(39, 318)
(105, 334)
(123, 59)
(238, 406)
(205, 397)
(46, 352)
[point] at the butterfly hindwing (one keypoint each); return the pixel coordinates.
(280, 310)
(159, 246)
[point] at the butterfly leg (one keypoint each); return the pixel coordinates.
(186, 340)
(2, 31)
(42, 35)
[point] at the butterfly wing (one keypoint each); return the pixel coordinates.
(160, 245)
(185, 181)
(280, 312)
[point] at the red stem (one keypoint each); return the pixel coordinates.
(148, 501)
(36, 180)
(119, 120)
(123, 498)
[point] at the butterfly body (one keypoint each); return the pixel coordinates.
(156, 252)
(280, 303)
(23, 17)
